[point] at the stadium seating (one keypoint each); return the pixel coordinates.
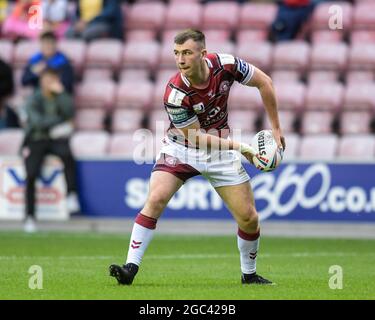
(359, 76)
(167, 58)
(329, 56)
(140, 35)
(355, 122)
(292, 55)
(247, 36)
(90, 143)
(326, 36)
(360, 96)
(287, 119)
(257, 15)
(328, 96)
(75, 50)
(23, 51)
(357, 147)
(363, 16)
(217, 35)
(246, 98)
(362, 36)
(285, 76)
(221, 15)
(104, 53)
(243, 120)
(220, 47)
(146, 15)
(258, 53)
(362, 56)
(141, 54)
(15, 136)
(290, 96)
(95, 74)
(317, 122)
(95, 94)
(318, 147)
(89, 119)
(127, 120)
(132, 94)
(322, 77)
(292, 141)
(158, 120)
(177, 17)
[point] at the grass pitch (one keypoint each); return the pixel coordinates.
(75, 266)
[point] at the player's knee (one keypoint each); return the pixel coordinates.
(157, 202)
(250, 220)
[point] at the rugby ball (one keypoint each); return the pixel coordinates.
(270, 155)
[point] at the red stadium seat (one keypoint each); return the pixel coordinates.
(90, 143)
(75, 49)
(357, 147)
(167, 58)
(95, 94)
(322, 77)
(257, 15)
(184, 15)
(146, 15)
(143, 55)
(134, 75)
(220, 47)
(243, 120)
(360, 96)
(217, 35)
(359, 76)
(158, 120)
(23, 51)
(285, 76)
(362, 56)
(251, 36)
(221, 15)
(325, 56)
(89, 119)
(244, 97)
(363, 17)
(318, 147)
(355, 122)
(127, 120)
(104, 53)
(292, 55)
(324, 14)
(256, 53)
(327, 36)
(10, 141)
(167, 36)
(162, 76)
(292, 141)
(362, 36)
(158, 95)
(140, 35)
(287, 119)
(290, 96)
(6, 50)
(324, 97)
(97, 75)
(317, 122)
(137, 146)
(132, 94)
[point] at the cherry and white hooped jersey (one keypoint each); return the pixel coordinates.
(185, 104)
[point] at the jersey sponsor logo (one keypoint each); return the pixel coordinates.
(178, 114)
(242, 66)
(199, 107)
(224, 87)
(176, 97)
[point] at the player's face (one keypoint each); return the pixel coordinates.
(189, 57)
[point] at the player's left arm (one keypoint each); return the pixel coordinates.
(264, 84)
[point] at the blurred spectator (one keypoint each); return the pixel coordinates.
(290, 18)
(55, 16)
(8, 118)
(98, 19)
(48, 57)
(17, 25)
(48, 128)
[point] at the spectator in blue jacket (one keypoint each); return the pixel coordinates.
(49, 57)
(97, 19)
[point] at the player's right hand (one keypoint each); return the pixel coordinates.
(248, 152)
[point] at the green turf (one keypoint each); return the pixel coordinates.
(75, 266)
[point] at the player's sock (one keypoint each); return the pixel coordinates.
(143, 231)
(248, 244)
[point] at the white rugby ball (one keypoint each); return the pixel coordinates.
(270, 156)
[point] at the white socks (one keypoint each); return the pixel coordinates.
(143, 231)
(248, 244)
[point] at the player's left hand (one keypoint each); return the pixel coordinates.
(280, 140)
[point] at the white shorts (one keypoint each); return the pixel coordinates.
(219, 167)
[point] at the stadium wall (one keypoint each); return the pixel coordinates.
(296, 191)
